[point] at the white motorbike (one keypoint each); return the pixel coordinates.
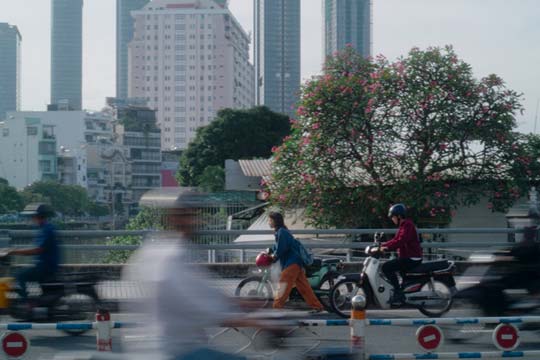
(429, 287)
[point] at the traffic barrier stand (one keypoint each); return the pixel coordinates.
(104, 333)
(358, 327)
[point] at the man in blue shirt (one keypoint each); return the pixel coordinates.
(46, 251)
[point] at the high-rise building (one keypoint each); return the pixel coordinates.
(347, 22)
(189, 59)
(124, 35)
(66, 53)
(277, 53)
(10, 69)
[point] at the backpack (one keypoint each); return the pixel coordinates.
(305, 255)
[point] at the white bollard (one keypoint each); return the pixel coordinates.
(358, 327)
(103, 334)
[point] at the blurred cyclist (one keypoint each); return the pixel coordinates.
(181, 304)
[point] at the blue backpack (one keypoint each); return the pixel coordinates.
(303, 253)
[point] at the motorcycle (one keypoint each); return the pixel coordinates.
(321, 275)
(429, 287)
(509, 285)
(67, 297)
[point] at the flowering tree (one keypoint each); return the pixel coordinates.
(421, 130)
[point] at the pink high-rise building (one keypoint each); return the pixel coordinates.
(189, 59)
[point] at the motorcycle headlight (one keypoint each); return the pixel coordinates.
(367, 250)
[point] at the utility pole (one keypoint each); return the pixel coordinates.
(536, 116)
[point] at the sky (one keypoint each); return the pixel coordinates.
(494, 36)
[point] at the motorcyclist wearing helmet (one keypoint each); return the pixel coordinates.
(292, 270)
(46, 250)
(407, 244)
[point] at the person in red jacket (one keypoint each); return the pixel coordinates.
(407, 244)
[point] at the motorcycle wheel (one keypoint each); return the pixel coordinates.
(78, 307)
(342, 294)
(248, 289)
(440, 291)
(323, 291)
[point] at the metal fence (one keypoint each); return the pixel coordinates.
(91, 246)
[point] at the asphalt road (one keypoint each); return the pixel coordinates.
(388, 339)
(379, 339)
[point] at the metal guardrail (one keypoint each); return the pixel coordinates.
(81, 240)
(113, 233)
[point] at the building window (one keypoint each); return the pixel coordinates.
(5, 132)
(45, 166)
(47, 148)
(31, 130)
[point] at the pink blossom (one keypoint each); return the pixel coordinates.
(447, 185)
(300, 163)
(319, 102)
(443, 146)
(490, 206)
(331, 150)
(306, 140)
(301, 110)
(282, 197)
(275, 149)
(438, 194)
(315, 126)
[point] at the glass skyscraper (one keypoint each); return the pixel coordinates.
(347, 22)
(124, 34)
(277, 53)
(10, 69)
(66, 53)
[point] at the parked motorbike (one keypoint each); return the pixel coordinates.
(321, 275)
(67, 297)
(429, 287)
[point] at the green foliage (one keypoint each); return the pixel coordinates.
(71, 200)
(11, 201)
(234, 134)
(421, 130)
(146, 219)
(212, 179)
(95, 209)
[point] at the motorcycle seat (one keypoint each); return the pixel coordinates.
(331, 261)
(430, 266)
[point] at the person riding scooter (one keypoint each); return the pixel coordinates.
(515, 268)
(407, 244)
(46, 250)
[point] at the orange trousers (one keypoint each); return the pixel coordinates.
(291, 276)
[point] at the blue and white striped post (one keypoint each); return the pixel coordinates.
(358, 327)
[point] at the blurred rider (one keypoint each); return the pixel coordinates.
(180, 303)
(46, 251)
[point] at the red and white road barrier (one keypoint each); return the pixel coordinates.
(104, 331)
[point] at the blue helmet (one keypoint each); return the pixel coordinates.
(397, 210)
